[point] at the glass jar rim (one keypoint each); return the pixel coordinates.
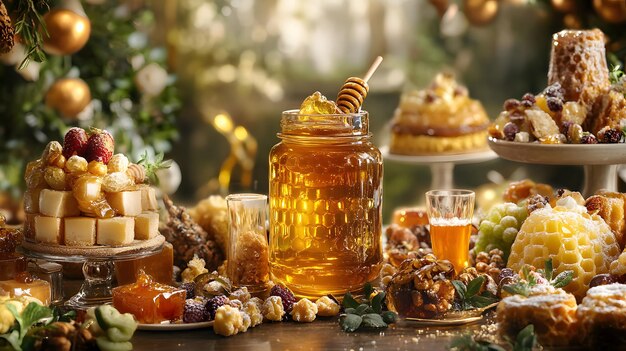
(451, 192)
(296, 112)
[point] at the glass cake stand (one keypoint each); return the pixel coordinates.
(97, 262)
(441, 166)
(600, 161)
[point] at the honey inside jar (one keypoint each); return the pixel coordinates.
(325, 204)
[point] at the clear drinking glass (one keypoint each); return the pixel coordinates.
(248, 251)
(450, 215)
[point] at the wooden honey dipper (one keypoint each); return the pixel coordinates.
(355, 89)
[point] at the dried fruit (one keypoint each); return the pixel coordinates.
(574, 134)
(51, 153)
(100, 146)
(287, 296)
(510, 129)
(75, 142)
(118, 163)
(55, 177)
(194, 311)
(97, 168)
(609, 135)
(214, 303)
(588, 139)
(190, 288)
(76, 164)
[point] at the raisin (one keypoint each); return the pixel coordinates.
(510, 129)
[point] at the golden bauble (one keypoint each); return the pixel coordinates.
(564, 5)
(69, 96)
(68, 32)
(480, 12)
(612, 11)
(572, 21)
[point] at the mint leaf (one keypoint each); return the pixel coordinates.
(483, 300)
(13, 338)
(363, 309)
(562, 279)
(368, 290)
(350, 322)
(467, 343)
(517, 289)
(460, 288)
(389, 317)
(549, 270)
(473, 287)
(377, 302)
(373, 320)
(526, 339)
(349, 301)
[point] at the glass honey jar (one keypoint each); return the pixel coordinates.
(325, 204)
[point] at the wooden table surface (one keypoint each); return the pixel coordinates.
(322, 334)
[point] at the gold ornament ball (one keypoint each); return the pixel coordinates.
(565, 6)
(68, 32)
(572, 21)
(612, 11)
(480, 12)
(69, 96)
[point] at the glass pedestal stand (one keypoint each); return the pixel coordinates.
(599, 160)
(441, 166)
(98, 268)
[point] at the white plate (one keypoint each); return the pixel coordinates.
(560, 154)
(174, 326)
(469, 157)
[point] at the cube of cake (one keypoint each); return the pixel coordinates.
(149, 301)
(115, 231)
(48, 229)
(148, 198)
(125, 203)
(54, 203)
(146, 225)
(80, 231)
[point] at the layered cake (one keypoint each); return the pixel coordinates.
(439, 119)
(81, 194)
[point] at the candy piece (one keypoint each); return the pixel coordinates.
(56, 203)
(317, 104)
(146, 225)
(116, 231)
(126, 203)
(80, 231)
(48, 230)
(149, 301)
(352, 94)
(26, 284)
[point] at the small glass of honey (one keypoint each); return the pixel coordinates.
(450, 215)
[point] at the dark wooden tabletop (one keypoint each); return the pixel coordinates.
(322, 334)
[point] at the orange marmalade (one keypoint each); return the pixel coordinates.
(325, 204)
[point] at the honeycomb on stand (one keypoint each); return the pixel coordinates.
(574, 239)
(602, 316)
(553, 315)
(422, 288)
(610, 206)
(81, 194)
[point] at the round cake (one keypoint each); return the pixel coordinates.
(439, 119)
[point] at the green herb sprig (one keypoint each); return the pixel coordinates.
(470, 296)
(153, 166)
(32, 314)
(365, 314)
(524, 286)
(616, 74)
(526, 340)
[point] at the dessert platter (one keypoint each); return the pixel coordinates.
(439, 126)
(544, 266)
(576, 120)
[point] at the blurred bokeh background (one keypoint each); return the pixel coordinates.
(239, 63)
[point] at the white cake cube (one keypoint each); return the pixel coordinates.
(54, 203)
(48, 230)
(116, 231)
(146, 225)
(29, 226)
(31, 200)
(125, 203)
(80, 231)
(148, 199)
